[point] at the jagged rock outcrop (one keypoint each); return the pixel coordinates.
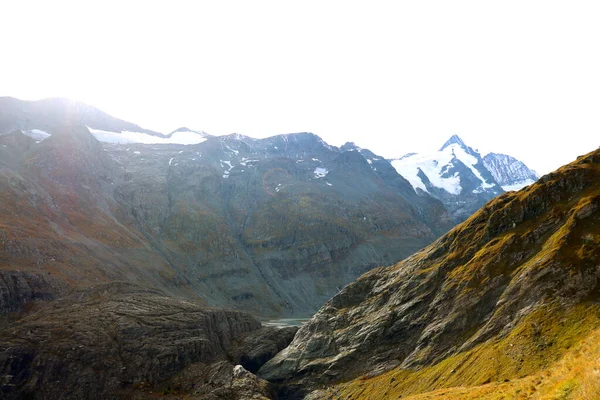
(119, 340)
(526, 261)
(18, 288)
(258, 347)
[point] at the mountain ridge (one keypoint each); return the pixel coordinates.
(509, 172)
(42, 114)
(464, 182)
(271, 226)
(455, 174)
(496, 285)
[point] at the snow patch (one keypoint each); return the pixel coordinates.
(245, 160)
(232, 150)
(518, 185)
(320, 172)
(228, 164)
(37, 134)
(185, 137)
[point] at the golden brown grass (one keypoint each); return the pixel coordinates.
(575, 377)
(553, 354)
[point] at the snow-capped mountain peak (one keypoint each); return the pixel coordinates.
(455, 174)
(443, 168)
(454, 139)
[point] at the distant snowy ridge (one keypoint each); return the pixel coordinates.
(454, 174)
(509, 172)
(181, 136)
(436, 168)
(37, 134)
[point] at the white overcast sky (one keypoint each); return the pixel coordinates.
(520, 77)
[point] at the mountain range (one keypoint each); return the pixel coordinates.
(462, 179)
(274, 226)
(135, 264)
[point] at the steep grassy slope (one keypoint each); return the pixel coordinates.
(502, 296)
(574, 376)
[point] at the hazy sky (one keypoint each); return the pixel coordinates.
(521, 77)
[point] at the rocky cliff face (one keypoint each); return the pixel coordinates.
(124, 341)
(518, 283)
(273, 226)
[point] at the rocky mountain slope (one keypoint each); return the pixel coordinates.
(502, 296)
(509, 172)
(272, 226)
(463, 180)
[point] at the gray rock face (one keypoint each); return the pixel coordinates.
(220, 380)
(274, 226)
(509, 172)
(118, 340)
(258, 347)
(522, 251)
(18, 288)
